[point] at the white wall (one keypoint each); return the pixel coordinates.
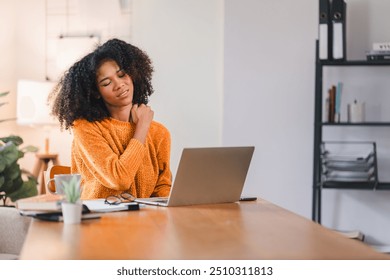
(184, 40)
(269, 100)
(268, 93)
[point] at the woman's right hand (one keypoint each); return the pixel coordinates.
(142, 115)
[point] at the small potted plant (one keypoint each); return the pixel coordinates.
(72, 206)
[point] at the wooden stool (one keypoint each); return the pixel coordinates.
(41, 165)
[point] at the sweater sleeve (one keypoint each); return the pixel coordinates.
(113, 170)
(164, 181)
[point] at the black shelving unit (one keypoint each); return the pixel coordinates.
(319, 125)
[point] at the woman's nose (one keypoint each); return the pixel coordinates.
(117, 84)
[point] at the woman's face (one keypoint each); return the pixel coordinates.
(115, 86)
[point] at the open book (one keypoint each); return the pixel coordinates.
(98, 205)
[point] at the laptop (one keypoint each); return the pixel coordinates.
(207, 176)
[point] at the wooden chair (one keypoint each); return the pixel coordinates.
(41, 165)
(53, 170)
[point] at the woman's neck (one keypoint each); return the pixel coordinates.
(121, 114)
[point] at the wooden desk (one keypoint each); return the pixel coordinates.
(246, 230)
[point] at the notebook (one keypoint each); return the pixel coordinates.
(207, 176)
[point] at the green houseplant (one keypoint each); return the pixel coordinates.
(15, 183)
(71, 206)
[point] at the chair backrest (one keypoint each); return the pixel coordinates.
(53, 170)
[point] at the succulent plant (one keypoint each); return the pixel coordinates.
(72, 190)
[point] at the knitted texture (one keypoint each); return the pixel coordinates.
(110, 161)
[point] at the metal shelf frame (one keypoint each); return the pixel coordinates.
(319, 125)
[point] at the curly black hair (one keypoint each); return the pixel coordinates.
(76, 95)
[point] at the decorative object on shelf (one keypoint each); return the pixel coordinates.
(71, 206)
(356, 112)
(15, 183)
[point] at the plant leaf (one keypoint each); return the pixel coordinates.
(72, 190)
(30, 149)
(10, 186)
(17, 140)
(4, 93)
(29, 188)
(9, 153)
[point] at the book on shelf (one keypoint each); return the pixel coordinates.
(381, 46)
(378, 57)
(337, 113)
(333, 104)
(378, 52)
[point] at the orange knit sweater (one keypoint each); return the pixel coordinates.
(110, 161)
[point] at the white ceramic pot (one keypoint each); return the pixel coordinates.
(71, 212)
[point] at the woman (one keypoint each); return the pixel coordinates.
(117, 147)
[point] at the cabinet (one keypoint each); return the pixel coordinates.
(320, 125)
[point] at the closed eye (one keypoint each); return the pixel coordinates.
(121, 73)
(107, 81)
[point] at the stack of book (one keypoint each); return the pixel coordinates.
(349, 162)
(333, 104)
(379, 52)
